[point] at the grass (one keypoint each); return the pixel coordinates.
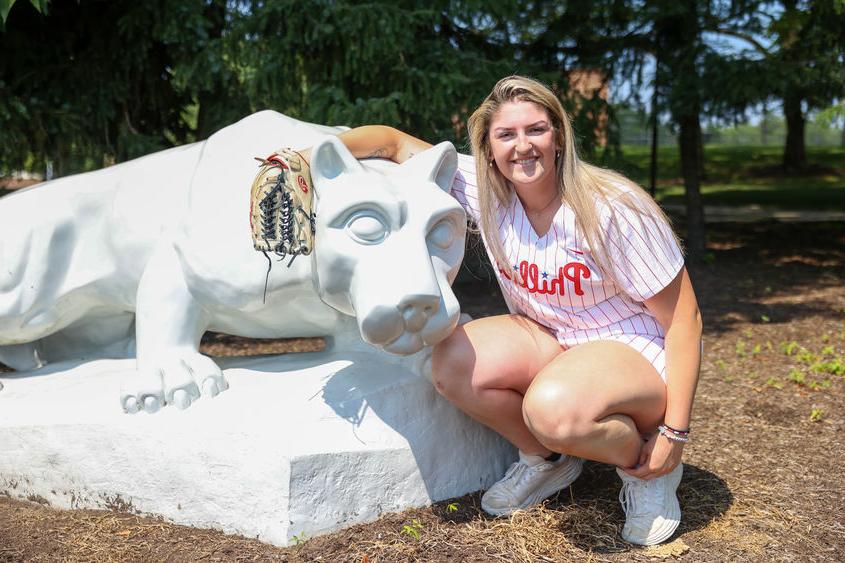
(746, 175)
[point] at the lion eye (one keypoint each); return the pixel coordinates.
(366, 228)
(442, 235)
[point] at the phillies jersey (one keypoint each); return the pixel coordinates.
(553, 278)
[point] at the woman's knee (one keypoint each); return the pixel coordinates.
(451, 363)
(556, 415)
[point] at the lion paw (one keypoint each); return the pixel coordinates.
(179, 381)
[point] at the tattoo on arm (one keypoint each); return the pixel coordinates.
(380, 152)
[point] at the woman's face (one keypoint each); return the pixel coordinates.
(522, 141)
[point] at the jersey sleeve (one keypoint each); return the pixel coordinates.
(465, 186)
(643, 252)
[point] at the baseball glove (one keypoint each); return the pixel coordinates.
(281, 197)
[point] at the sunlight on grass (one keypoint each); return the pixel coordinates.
(745, 175)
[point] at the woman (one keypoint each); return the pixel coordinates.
(600, 357)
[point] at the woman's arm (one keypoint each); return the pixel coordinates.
(379, 141)
(676, 309)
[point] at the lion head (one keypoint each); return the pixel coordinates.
(389, 242)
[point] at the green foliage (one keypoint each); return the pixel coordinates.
(298, 539)
(414, 529)
(94, 82)
(377, 62)
(796, 376)
(833, 367)
(6, 7)
(773, 382)
(91, 83)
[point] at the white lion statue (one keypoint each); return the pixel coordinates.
(146, 256)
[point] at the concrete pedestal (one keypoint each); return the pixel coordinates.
(289, 449)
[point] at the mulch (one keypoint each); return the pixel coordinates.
(764, 478)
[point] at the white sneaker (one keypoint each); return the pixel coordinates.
(652, 512)
(528, 481)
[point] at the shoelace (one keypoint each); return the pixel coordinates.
(520, 471)
(629, 493)
(627, 498)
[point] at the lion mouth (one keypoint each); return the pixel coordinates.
(406, 344)
(415, 336)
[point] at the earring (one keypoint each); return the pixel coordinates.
(490, 164)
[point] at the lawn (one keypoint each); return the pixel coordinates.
(745, 175)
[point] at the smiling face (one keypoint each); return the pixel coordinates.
(522, 141)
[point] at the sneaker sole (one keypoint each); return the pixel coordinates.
(562, 481)
(671, 520)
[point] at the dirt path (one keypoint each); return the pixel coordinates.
(764, 478)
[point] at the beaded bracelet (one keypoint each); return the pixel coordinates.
(674, 435)
(675, 430)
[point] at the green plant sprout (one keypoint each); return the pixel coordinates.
(816, 415)
(772, 382)
(413, 529)
(805, 356)
(298, 539)
(796, 376)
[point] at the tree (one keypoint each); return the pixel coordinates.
(624, 38)
(800, 60)
(381, 61)
(92, 81)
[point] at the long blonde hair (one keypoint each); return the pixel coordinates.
(580, 185)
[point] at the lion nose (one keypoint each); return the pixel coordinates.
(416, 310)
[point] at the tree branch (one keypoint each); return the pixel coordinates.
(745, 37)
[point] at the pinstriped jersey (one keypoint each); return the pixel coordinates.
(559, 284)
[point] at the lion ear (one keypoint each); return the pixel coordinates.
(437, 164)
(331, 159)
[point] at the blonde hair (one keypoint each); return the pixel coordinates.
(580, 185)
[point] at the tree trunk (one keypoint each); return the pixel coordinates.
(794, 154)
(654, 129)
(692, 166)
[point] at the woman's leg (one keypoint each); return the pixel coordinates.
(485, 368)
(596, 400)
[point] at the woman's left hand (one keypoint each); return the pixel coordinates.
(659, 456)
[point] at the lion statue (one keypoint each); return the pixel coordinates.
(144, 257)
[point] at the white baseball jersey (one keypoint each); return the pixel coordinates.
(560, 285)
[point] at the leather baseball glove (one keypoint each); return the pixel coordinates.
(281, 197)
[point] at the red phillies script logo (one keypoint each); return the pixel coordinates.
(530, 274)
(302, 185)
